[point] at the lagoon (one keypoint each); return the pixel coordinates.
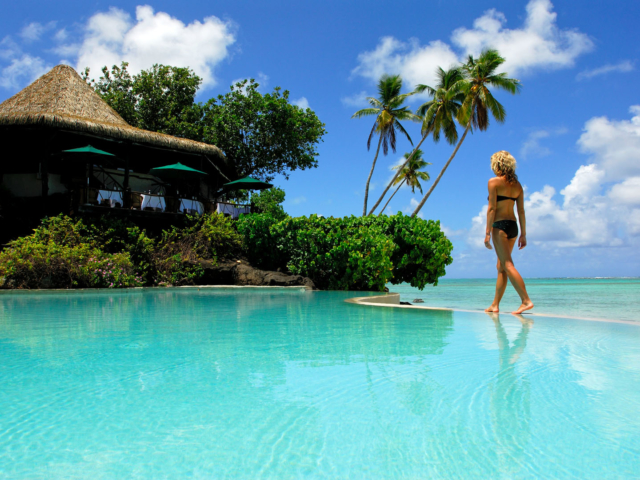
(287, 383)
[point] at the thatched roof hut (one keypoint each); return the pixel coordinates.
(61, 100)
(60, 112)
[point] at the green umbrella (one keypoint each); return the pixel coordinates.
(247, 183)
(176, 171)
(88, 151)
(90, 154)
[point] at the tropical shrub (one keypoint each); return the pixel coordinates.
(354, 253)
(63, 253)
(206, 237)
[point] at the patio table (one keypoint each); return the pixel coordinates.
(153, 201)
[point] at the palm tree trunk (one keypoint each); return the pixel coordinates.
(366, 188)
(392, 195)
(398, 173)
(446, 165)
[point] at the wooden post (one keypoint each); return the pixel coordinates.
(126, 194)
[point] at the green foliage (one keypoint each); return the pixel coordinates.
(351, 253)
(259, 244)
(206, 237)
(68, 253)
(270, 201)
(354, 253)
(117, 236)
(263, 135)
(161, 99)
(63, 253)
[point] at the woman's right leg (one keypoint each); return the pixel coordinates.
(503, 247)
(501, 286)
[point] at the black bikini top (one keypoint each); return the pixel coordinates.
(502, 197)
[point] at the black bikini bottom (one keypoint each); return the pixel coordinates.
(510, 227)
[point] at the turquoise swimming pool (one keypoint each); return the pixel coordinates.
(285, 383)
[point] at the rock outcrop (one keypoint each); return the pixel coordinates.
(239, 272)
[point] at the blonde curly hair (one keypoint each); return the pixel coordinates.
(504, 165)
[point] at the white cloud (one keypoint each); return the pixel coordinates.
(61, 35)
(34, 31)
(615, 145)
(358, 100)
(532, 146)
(302, 102)
(626, 192)
(414, 62)
(112, 37)
(22, 70)
(539, 43)
(298, 200)
(623, 67)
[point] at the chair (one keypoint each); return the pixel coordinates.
(136, 201)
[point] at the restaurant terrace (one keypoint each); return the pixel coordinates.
(65, 150)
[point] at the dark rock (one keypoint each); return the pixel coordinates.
(405, 303)
(239, 272)
(418, 300)
(386, 289)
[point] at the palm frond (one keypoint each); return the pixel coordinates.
(398, 126)
(366, 112)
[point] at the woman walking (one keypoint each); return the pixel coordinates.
(504, 193)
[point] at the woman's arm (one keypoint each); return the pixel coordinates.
(522, 241)
(491, 212)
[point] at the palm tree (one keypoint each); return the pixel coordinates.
(437, 114)
(410, 173)
(388, 111)
(480, 74)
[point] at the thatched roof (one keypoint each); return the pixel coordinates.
(61, 99)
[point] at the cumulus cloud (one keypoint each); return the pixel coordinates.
(600, 207)
(416, 63)
(622, 67)
(154, 37)
(302, 102)
(614, 145)
(22, 70)
(538, 44)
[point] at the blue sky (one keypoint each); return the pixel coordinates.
(574, 129)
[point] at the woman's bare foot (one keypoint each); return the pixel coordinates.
(525, 306)
(492, 308)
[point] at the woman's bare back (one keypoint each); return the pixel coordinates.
(504, 207)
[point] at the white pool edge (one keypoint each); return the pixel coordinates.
(392, 300)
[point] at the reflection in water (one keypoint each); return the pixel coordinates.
(510, 397)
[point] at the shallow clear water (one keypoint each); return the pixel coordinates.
(610, 298)
(228, 383)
